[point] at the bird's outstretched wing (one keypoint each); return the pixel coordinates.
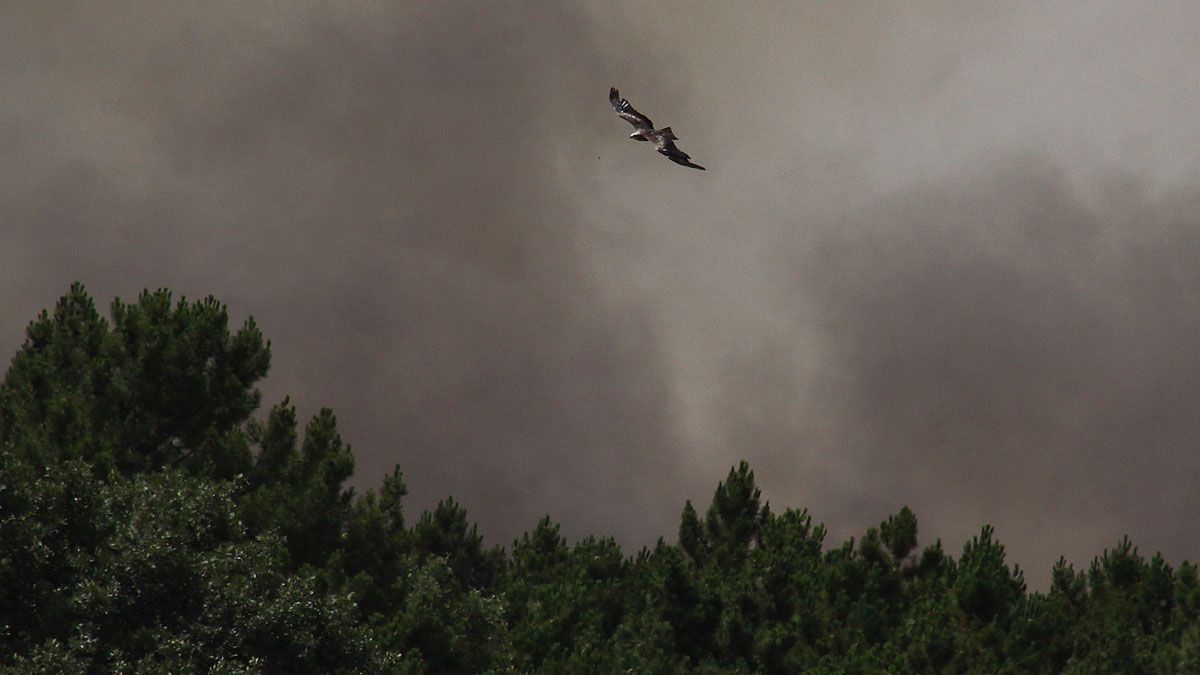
(673, 153)
(627, 112)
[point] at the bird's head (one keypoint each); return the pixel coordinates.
(639, 135)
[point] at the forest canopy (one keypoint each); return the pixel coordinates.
(153, 519)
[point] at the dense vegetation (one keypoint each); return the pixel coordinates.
(149, 522)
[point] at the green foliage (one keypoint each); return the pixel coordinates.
(58, 396)
(299, 492)
(444, 628)
(155, 572)
(446, 533)
(563, 602)
(148, 522)
(733, 517)
(899, 533)
(985, 589)
(166, 385)
(372, 556)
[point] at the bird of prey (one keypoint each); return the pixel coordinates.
(663, 139)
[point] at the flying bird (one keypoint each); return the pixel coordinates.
(663, 139)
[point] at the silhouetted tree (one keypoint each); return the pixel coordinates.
(149, 523)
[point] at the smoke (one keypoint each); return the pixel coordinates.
(1007, 351)
(378, 186)
(942, 255)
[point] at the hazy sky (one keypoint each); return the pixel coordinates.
(943, 256)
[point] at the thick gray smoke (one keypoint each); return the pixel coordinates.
(379, 188)
(1004, 351)
(942, 256)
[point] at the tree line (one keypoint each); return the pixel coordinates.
(150, 522)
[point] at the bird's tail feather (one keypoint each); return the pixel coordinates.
(668, 134)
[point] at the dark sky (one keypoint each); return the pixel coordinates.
(943, 256)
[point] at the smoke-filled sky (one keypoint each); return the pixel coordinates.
(945, 254)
